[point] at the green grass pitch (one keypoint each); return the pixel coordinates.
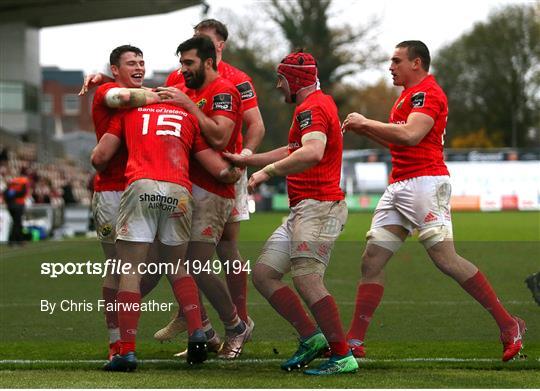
(427, 333)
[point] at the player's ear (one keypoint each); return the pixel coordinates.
(114, 70)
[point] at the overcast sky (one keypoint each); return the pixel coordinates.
(86, 46)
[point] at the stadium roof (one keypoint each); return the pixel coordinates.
(46, 13)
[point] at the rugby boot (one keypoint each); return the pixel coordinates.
(234, 343)
(176, 326)
(512, 339)
(196, 351)
(122, 363)
(335, 365)
(213, 345)
(308, 350)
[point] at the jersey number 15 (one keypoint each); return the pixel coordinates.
(168, 120)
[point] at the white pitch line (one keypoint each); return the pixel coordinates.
(258, 361)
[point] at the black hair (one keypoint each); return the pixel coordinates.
(417, 49)
(114, 58)
(205, 48)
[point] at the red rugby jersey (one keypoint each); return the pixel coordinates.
(112, 178)
(426, 158)
(241, 80)
(159, 140)
(317, 113)
(218, 98)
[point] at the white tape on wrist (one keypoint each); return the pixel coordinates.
(270, 170)
(246, 152)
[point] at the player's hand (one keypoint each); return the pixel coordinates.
(256, 179)
(174, 96)
(354, 122)
(238, 160)
(93, 80)
(230, 175)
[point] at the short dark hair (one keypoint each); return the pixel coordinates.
(205, 48)
(417, 49)
(219, 27)
(114, 58)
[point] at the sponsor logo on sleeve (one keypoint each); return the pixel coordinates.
(304, 119)
(222, 102)
(417, 100)
(246, 90)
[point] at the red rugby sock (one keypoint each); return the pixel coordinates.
(368, 298)
(237, 284)
(326, 314)
(288, 305)
(187, 294)
(479, 287)
(128, 319)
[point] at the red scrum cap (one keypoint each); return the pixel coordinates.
(299, 70)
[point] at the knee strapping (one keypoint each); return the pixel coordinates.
(433, 235)
(383, 238)
(305, 266)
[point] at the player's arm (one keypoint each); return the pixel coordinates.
(217, 130)
(119, 98)
(409, 133)
(254, 130)
(307, 156)
(217, 166)
(104, 151)
(258, 159)
(94, 80)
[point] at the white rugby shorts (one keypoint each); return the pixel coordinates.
(310, 231)
(149, 208)
(105, 206)
(416, 203)
(210, 213)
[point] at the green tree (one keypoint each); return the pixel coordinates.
(492, 76)
(339, 51)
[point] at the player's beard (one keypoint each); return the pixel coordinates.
(197, 78)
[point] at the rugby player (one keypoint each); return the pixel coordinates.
(303, 243)
(418, 197)
(128, 68)
(157, 203)
(216, 103)
(227, 248)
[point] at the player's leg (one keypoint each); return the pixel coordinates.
(227, 250)
(475, 283)
(389, 229)
(315, 227)
(136, 229)
(382, 243)
(268, 272)
(173, 233)
(150, 281)
(105, 207)
(433, 219)
(109, 291)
